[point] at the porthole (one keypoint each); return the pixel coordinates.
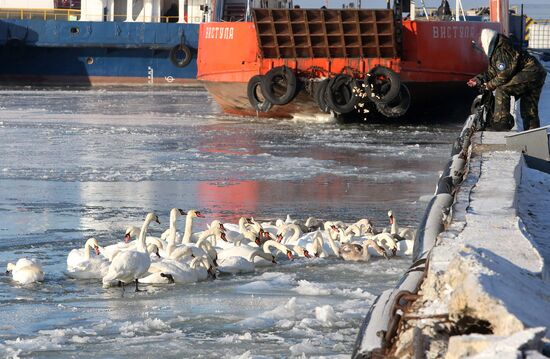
(90, 60)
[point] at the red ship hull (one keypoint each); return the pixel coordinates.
(437, 55)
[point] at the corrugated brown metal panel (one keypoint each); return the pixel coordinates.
(325, 33)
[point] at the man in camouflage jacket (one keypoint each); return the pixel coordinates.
(511, 72)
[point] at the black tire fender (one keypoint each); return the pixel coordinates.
(178, 50)
(257, 100)
(340, 94)
(382, 85)
(279, 85)
(398, 106)
(320, 95)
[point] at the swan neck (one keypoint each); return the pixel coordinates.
(87, 249)
(393, 229)
(272, 243)
(295, 235)
(141, 246)
(188, 230)
(333, 245)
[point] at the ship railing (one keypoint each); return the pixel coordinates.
(40, 14)
(73, 15)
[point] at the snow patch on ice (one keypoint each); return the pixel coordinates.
(129, 329)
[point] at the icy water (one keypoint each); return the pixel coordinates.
(76, 164)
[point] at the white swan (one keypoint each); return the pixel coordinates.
(400, 233)
(26, 271)
(171, 271)
(281, 248)
(171, 232)
(238, 264)
(81, 265)
(323, 247)
(285, 229)
(129, 265)
(188, 231)
(359, 252)
(174, 214)
(385, 240)
(242, 234)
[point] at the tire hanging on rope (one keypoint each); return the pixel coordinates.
(255, 96)
(279, 85)
(398, 106)
(340, 94)
(382, 85)
(181, 55)
(320, 95)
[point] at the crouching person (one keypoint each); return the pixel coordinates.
(511, 72)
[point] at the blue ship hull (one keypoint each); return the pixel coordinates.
(87, 53)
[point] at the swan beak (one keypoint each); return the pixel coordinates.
(127, 238)
(158, 255)
(96, 248)
(334, 228)
(258, 241)
(391, 219)
(279, 237)
(223, 237)
(249, 221)
(157, 220)
(182, 212)
(273, 259)
(200, 215)
(306, 254)
(289, 255)
(9, 271)
(222, 228)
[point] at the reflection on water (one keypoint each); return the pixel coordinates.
(77, 164)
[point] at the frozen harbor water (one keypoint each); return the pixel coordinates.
(77, 164)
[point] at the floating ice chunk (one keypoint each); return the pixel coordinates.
(271, 317)
(308, 288)
(326, 315)
(129, 329)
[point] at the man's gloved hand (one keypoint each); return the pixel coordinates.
(473, 82)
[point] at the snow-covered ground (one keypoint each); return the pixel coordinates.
(488, 274)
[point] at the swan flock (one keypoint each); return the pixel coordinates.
(223, 248)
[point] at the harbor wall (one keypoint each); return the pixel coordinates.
(477, 285)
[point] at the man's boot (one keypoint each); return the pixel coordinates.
(504, 122)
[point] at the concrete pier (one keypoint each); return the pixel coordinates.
(487, 291)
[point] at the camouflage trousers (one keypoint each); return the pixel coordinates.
(526, 86)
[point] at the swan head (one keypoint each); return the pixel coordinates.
(194, 213)
(131, 231)
(289, 254)
(152, 217)
(390, 215)
(217, 223)
(153, 248)
(301, 251)
(217, 232)
(174, 212)
(10, 267)
(266, 235)
(92, 243)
